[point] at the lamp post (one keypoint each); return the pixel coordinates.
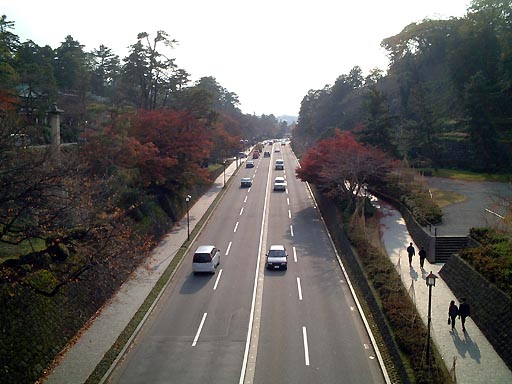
(431, 282)
(187, 199)
(224, 164)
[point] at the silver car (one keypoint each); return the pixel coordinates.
(277, 258)
(206, 259)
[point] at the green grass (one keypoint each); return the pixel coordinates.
(470, 176)
(10, 251)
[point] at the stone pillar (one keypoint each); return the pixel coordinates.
(54, 115)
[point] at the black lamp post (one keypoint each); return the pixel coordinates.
(187, 199)
(431, 282)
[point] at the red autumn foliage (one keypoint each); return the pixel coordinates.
(341, 166)
(176, 140)
(164, 146)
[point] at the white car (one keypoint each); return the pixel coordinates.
(206, 259)
(277, 258)
(279, 184)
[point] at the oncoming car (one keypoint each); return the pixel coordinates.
(279, 184)
(245, 182)
(277, 257)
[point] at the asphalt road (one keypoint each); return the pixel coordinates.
(303, 322)
(482, 205)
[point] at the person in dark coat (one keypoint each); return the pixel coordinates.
(411, 252)
(453, 311)
(423, 256)
(464, 311)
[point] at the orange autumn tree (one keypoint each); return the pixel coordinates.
(341, 166)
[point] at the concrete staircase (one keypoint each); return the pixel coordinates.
(447, 246)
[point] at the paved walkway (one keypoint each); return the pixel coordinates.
(83, 357)
(476, 359)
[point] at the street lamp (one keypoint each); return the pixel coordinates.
(431, 282)
(224, 164)
(187, 199)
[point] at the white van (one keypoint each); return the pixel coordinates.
(206, 258)
(279, 164)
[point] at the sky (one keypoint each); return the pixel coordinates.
(268, 52)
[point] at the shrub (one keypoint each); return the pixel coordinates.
(493, 258)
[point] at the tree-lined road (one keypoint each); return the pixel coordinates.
(304, 324)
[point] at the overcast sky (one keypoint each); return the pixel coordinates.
(269, 52)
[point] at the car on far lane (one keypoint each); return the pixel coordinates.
(249, 164)
(277, 258)
(277, 149)
(279, 184)
(245, 182)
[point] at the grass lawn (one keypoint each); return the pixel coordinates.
(444, 198)
(470, 176)
(9, 251)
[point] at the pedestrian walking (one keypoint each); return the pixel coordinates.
(423, 256)
(411, 252)
(453, 311)
(464, 311)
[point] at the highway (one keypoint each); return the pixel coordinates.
(246, 324)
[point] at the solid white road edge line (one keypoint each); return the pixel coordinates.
(199, 330)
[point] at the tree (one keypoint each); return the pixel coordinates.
(377, 130)
(148, 72)
(222, 99)
(9, 43)
(480, 107)
(340, 166)
(175, 135)
(71, 70)
(38, 87)
(106, 70)
(8, 77)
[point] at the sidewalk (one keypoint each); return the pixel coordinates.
(82, 358)
(476, 359)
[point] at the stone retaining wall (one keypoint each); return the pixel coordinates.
(491, 309)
